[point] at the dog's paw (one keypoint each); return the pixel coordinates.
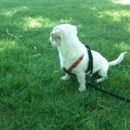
(82, 89)
(65, 78)
(98, 80)
(101, 79)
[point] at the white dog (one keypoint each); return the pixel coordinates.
(71, 51)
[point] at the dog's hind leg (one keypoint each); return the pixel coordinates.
(66, 77)
(103, 75)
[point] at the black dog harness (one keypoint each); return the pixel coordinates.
(90, 64)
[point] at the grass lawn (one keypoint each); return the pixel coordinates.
(32, 96)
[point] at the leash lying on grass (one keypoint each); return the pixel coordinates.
(109, 93)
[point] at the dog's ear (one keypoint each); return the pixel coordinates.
(74, 29)
(56, 35)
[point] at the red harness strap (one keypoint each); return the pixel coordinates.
(75, 64)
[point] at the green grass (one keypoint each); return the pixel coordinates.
(32, 97)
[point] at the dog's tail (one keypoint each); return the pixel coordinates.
(118, 60)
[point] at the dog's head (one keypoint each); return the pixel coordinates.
(61, 33)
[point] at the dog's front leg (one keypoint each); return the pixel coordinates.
(66, 77)
(81, 80)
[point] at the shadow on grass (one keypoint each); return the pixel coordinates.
(101, 20)
(100, 24)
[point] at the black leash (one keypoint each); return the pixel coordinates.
(106, 92)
